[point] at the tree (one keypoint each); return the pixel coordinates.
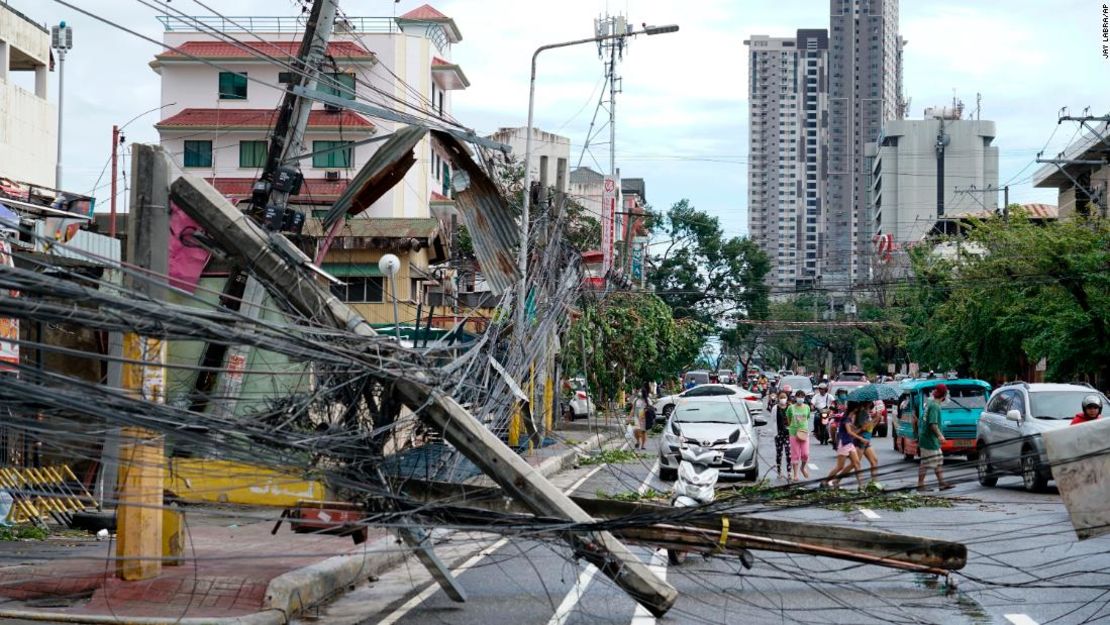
(701, 274)
(630, 339)
(1016, 293)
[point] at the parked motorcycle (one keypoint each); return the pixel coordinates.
(697, 485)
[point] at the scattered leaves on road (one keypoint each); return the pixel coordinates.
(22, 532)
(613, 456)
(845, 500)
(632, 496)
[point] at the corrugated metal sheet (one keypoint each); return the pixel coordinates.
(386, 168)
(488, 218)
(387, 227)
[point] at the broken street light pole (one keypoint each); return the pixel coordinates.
(237, 233)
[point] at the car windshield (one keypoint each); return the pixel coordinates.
(966, 397)
(698, 377)
(797, 382)
(1061, 404)
(711, 412)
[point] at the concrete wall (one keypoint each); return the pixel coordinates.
(28, 121)
(548, 149)
(904, 190)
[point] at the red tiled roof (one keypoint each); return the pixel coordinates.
(258, 118)
(1041, 211)
(313, 188)
(439, 197)
(221, 49)
(438, 61)
(426, 12)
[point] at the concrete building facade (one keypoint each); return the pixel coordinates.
(28, 121)
(913, 185)
(865, 90)
(550, 154)
(787, 170)
(222, 82)
(1083, 188)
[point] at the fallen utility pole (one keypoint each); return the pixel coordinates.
(689, 530)
(284, 268)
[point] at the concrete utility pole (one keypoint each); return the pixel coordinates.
(286, 141)
(142, 455)
(236, 233)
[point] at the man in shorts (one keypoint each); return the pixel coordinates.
(929, 440)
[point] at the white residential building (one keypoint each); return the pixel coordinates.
(217, 120)
(550, 154)
(221, 91)
(28, 121)
(787, 172)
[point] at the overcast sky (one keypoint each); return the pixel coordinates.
(682, 116)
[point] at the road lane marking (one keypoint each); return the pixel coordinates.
(566, 608)
(1020, 619)
(425, 594)
(658, 566)
(647, 480)
(812, 467)
(869, 513)
(400, 612)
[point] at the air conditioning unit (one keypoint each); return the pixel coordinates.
(331, 175)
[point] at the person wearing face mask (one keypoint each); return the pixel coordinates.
(782, 434)
(799, 422)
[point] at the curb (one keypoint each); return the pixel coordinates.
(267, 617)
(296, 590)
(565, 460)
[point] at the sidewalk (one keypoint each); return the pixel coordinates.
(233, 571)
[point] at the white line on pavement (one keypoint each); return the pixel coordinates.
(400, 612)
(574, 596)
(869, 513)
(812, 467)
(408, 606)
(1020, 619)
(647, 480)
(658, 566)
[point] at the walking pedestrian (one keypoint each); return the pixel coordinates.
(782, 434)
(639, 417)
(798, 427)
(929, 440)
(847, 457)
(866, 421)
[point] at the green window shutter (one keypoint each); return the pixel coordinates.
(339, 85)
(233, 86)
(252, 153)
(335, 159)
(198, 154)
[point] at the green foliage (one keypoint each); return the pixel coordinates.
(844, 500)
(630, 339)
(22, 532)
(1016, 293)
(613, 456)
(703, 275)
(632, 496)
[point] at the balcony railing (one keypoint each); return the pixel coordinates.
(256, 24)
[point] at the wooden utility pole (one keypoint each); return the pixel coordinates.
(236, 233)
(142, 452)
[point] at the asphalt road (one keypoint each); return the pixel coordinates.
(1025, 567)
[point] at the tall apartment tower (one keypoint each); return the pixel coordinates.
(788, 122)
(865, 89)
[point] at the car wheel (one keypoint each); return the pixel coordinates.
(668, 409)
(1032, 478)
(987, 476)
(668, 475)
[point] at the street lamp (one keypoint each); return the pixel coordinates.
(522, 260)
(61, 39)
(389, 264)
